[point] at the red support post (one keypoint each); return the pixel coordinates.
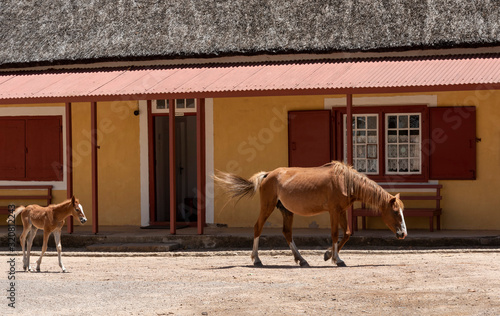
(69, 162)
(350, 221)
(171, 135)
(93, 134)
(200, 160)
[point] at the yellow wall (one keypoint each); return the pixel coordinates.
(250, 135)
(118, 161)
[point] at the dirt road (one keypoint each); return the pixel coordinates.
(225, 283)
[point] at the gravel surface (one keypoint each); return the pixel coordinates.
(448, 282)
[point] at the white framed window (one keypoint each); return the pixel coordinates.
(181, 106)
(403, 143)
(365, 142)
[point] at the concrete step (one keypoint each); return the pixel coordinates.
(134, 247)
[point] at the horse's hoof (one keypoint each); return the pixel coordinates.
(258, 264)
(328, 255)
(64, 270)
(341, 264)
(304, 264)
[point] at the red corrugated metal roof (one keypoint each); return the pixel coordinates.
(331, 76)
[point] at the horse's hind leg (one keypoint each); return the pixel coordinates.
(57, 239)
(266, 208)
(22, 238)
(287, 232)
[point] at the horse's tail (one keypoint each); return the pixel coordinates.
(237, 186)
(16, 212)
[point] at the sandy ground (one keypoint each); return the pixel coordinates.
(453, 282)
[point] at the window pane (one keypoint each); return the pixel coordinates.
(392, 136)
(361, 123)
(403, 121)
(372, 165)
(372, 122)
(179, 103)
(403, 136)
(415, 165)
(414, 121)
(392, 165)
(190, 103)
(392, 121)
(360, 137)
(393, 151)
(414, 151)
(360, 151)
(403, 165)
(372, 137)
(371, 151)
(414, 136)
(403, 150)
(160, 104)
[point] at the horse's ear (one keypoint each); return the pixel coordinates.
(394, 199)
(73, 199)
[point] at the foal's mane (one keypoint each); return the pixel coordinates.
(359, 186)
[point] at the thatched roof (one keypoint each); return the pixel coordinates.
(55, 31)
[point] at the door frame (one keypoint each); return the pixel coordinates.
(200, 161)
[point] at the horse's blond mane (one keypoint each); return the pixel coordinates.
(359, 186)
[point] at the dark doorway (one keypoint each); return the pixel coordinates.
(185, 167)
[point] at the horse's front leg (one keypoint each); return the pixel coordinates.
(334, 222)
(287, 232)
(57, 239)
(46, 235)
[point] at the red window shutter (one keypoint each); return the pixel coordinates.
(452, 145)
(12, 148)
(309, 138)
(44, 149)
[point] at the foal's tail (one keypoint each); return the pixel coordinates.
(16, 212)
(237, 186)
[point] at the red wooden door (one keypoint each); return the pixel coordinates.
(12, 148)
(44, 149)
(309, 138)
(452, 146)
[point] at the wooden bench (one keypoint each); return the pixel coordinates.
(430, 212)
(18, 196)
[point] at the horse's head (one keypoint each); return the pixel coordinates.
(78, 210)
(392, 214)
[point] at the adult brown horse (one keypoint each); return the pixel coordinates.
(332, 188)
(50, 219)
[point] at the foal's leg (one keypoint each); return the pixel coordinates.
(57, 239)
(46, 234)
(287, 232)
(266, 208)
(24, 234)
(31, 236)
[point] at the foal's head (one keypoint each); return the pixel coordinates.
(392, 214)
(77, 210)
